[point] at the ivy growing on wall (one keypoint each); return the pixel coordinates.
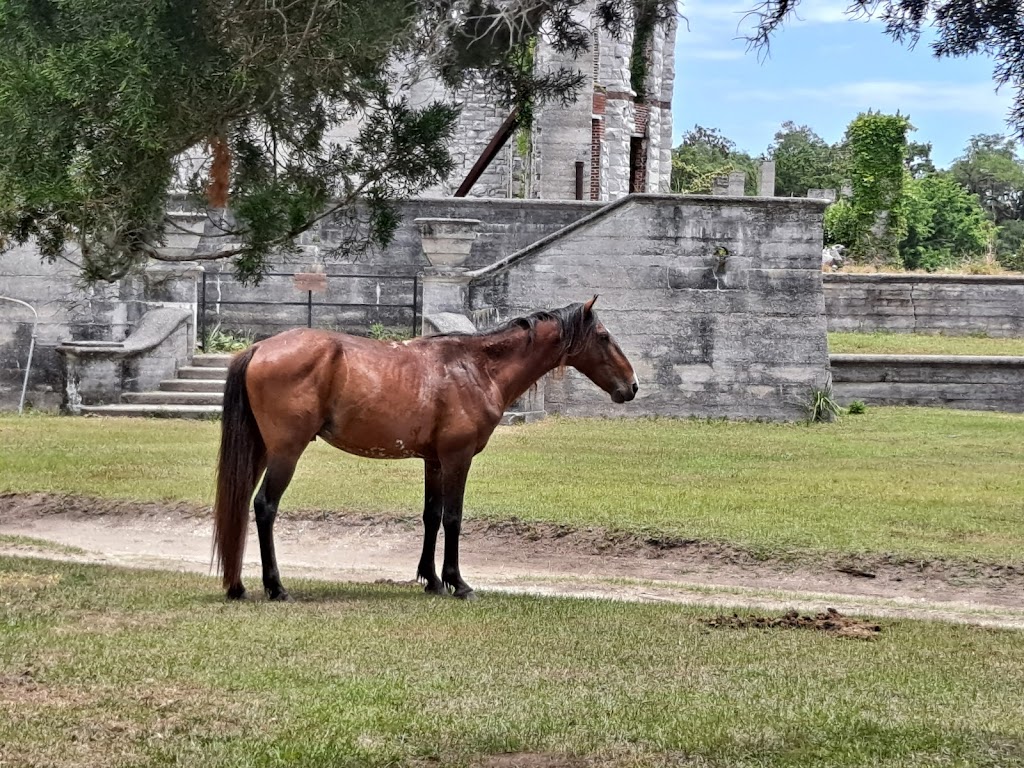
(876, 147)
(645, 19)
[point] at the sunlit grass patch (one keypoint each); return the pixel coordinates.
(381, 675)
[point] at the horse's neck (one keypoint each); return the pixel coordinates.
(517, 363)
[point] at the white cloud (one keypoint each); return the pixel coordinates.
(891, 95)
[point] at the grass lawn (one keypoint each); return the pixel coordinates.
(913, 482)
(112, 667)
(882, 343)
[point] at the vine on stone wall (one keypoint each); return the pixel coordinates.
(645, 19)
(876, 146)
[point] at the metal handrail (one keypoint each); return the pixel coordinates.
(31, 349)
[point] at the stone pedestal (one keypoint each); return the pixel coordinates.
(446, 244)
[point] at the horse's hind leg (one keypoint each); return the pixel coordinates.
(279, 473)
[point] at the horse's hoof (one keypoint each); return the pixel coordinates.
(281, 597)
(236, 593)
(436, 591)
(467, 594)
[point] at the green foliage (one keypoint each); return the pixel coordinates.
(840, 223)
(945, 224)
(821, 406)
(856, 408)
(218, 340)
(704, 154)
(645, 19)
(919, 159)
(99, 99)
(876, 146)
(383, 332)
(991, 169)
(803, 160)
(1010, 244)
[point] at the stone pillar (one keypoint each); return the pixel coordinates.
(767, 185)
(446, 244)
(737, 183)
(720, 185)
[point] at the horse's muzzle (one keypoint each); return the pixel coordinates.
(625, 394)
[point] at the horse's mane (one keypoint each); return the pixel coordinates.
(574, 326)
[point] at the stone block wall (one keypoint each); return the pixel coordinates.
(717, 302)
(967, 382)
(950, 304)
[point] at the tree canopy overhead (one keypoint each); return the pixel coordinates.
(99, 97)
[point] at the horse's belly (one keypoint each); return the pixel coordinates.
(383, 441)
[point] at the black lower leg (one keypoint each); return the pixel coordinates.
(279, 474)
(426, 571)
(451, 518)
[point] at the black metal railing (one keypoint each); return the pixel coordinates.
(312, 298)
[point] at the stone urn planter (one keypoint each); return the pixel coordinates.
(447, 242)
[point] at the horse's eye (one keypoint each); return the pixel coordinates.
(604, 336)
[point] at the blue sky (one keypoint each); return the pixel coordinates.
(822, 70)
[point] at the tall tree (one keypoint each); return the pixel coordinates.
(99, 98)
(919, 159)
(803, 160)
(991, 169)
(994, 28)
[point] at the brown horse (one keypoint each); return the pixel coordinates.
(436, 398)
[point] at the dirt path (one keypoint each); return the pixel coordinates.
(519, 557)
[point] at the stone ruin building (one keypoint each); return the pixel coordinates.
(616, 138)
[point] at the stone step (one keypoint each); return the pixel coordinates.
(172, 398)
(202, 372)
(155, 411)
(192, 385)
(212, 361)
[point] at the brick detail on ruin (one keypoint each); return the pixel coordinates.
(600, 102)
(596, 134)
(641, 116)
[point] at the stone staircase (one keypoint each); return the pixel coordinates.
(195, 393)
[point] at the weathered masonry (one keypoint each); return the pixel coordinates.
(616, 138)
(718, 301)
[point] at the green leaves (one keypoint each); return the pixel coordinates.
(876, 146)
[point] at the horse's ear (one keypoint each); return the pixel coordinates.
(589, 306)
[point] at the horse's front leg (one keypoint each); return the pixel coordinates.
(432, 505)
(454, 473)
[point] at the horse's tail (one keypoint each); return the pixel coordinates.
(242, 454)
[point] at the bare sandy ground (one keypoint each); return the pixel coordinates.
(524, 558)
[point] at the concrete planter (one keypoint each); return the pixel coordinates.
(447, 242)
